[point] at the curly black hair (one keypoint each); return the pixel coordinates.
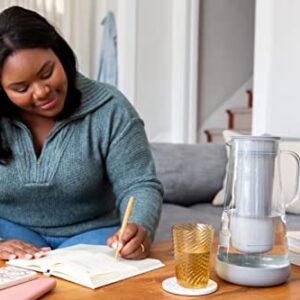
(21, 28)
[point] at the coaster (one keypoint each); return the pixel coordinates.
(170, 285)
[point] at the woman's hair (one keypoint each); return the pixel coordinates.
(21, 28)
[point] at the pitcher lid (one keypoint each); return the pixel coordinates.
(255, 144)
(256, 137)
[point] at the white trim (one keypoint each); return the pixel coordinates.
(262, 68)
(127, 35)
(184, 70)
(193, 72)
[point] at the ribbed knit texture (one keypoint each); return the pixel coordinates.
(91, 163)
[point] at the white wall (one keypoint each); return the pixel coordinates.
(153, 66)
(144, 30)
(277, 68)
(145, 40)
(83, 30)
(225, 50)
(220, 118)
(166, 68)
(158, 55)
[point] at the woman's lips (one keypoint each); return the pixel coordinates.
(49, 104)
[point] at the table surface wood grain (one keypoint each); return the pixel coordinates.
(148, 286)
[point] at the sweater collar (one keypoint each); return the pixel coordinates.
(94, 95)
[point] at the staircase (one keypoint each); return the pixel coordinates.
(239, 119)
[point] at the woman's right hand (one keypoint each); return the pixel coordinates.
(11, 249)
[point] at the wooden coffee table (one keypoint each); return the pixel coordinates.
(148, 286)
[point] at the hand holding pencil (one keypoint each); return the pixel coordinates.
(124, 224)
(131, 241)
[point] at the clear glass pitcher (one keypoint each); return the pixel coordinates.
(252, 241)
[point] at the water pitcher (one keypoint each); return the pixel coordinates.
(252, 246)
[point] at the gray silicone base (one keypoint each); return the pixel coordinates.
(252, 276)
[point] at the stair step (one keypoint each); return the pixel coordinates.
(240, 110)
(215, 135)
(240, 118)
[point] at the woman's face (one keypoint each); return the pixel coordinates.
(35, 81)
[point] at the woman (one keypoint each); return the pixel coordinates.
(72, 150)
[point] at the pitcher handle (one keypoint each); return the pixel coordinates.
(297, 193)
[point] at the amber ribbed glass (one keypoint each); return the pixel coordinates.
(192, 248)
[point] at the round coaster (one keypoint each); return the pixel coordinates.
(170, 285)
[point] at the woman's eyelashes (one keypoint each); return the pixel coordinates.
(21, 89)
(47, 73)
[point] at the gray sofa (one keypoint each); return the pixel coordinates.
(192, 174)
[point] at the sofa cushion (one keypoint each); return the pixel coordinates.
(199, 213)
(190, 173)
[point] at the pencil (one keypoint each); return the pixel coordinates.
(124, 223)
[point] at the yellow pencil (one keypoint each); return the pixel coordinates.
(124, 223)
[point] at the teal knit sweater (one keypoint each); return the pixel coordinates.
(90, 165)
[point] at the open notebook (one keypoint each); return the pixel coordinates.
(89, 265)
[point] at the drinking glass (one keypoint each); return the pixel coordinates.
(192, 250)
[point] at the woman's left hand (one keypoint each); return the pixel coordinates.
(135, 243)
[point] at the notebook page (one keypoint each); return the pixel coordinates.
(87, 263)
(106, 269)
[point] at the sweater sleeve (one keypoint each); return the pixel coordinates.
(131, 171)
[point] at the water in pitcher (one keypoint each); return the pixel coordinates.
(276, 256)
